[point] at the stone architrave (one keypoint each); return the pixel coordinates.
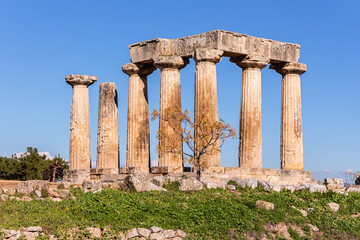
(250, 138)
(108, 128)
(291, 150)
(170, 101)
(206, 102)
(138, 136)
(80, 122)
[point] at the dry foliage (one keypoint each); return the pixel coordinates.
(202, 137)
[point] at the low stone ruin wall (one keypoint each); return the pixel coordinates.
(154, 233)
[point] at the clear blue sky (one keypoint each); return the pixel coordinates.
(43, 41)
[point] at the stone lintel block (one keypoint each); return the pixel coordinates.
(166, 169)
(80, 80)
(233, 44)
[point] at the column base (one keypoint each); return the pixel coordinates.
(76, 175)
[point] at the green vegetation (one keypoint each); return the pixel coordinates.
(32, 166)
(207, 214)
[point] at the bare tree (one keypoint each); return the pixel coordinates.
(202, 137)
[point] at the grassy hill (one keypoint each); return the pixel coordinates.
(206, 214)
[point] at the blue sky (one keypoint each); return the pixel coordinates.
(43, 41)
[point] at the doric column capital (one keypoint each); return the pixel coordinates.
(207, 55)
(142, 69)
(289, 68)
(86, 80)
(172, 62)
(250, 61)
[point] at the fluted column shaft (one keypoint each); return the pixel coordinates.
(291, 151)
(108, 127)
(170, 141)
(250, 136)
(79, 121)
(138, 136)
(206, 102)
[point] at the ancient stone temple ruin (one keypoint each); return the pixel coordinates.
(251, 54)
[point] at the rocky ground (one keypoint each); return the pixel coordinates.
(292, 216)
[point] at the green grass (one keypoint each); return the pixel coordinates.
(207, 214)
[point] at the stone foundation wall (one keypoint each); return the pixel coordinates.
(220, 174)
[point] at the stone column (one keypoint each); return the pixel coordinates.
(206, 103)
(108, 129)
(170, 144)
(250, 145)
(79, 122)
(138, 136)
(291, 151)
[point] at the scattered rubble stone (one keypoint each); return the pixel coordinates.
(9, 191)
(263, 184)
(334, 183)
(144, 232)
(239, 181)
(190, 184)
(27, 187)
(334, 206)
(153, 187)
(155, 233)
(4, 197)
(265, 205)
(132, 234)
(169, 233)
(251, 182)
(209, 185)
(231, 187)
(157, 236)
(138, 181)
(155, 229)
(37, 193)
(26, 198)
(91, 186)
(353, 188)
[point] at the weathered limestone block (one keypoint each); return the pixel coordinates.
(91, 186)
(153, 187)
(80, 122)
(265, 205)
(138, 145)
(108, 127)
(291, 121)
(27, 187)
(95, 232)
(209, 185)
(353, 188)
(132, 233)
(138, 181)
(76, 175)
(250, 146)
(334, 183)
(144, 232)
(206, 102)
(190, 184)
(170, 141)
(334, 206)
